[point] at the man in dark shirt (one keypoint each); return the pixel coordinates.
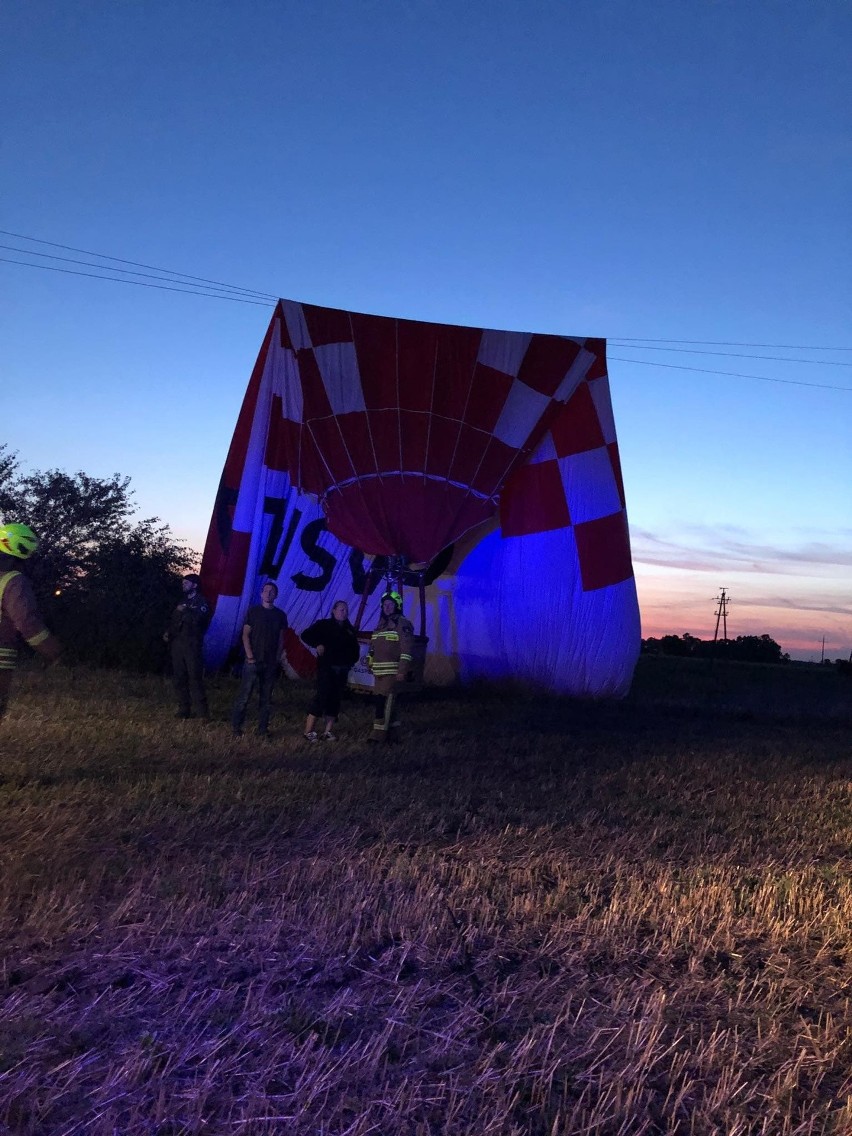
(187, 626)
(263, 643)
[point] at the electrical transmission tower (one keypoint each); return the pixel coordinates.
(722, 614)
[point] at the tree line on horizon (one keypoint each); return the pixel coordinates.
(743, 649)
(105, 580)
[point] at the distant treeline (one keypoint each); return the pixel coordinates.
(743, 649)
(106, 581)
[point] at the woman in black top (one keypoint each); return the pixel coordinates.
(336, 645)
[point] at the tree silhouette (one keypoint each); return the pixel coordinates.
(744, 649)
(105, 580)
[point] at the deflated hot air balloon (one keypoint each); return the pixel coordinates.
(363, 436)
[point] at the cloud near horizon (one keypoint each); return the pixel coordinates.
(801, 605)
(815, 598)
(720, 548)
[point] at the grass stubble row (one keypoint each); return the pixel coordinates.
(533, 917)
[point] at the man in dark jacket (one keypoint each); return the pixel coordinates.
(187, 627)
(263, 643)
(19, 614)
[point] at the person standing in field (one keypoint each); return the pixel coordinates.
(263, 643)
(185, 636)
(19, 614)
(336, 645)
(391, 648)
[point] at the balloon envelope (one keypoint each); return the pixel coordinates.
(365, 435)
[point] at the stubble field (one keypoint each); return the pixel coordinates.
(534, 917)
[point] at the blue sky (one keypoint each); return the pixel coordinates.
(676, 171)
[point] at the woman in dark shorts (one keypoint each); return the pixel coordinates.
(336, 645)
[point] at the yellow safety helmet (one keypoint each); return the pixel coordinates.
(18, 540)
(395, 596)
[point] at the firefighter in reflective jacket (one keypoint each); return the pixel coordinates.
(389, 659)
(19, 614)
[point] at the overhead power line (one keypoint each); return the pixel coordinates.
(134, 263)
(140, 283)
(625, 339)
(128, 271)
(171, 280)
(731, 354)
(729, 374)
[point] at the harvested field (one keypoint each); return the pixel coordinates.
(534, 917)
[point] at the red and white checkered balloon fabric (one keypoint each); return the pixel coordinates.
(408, 431)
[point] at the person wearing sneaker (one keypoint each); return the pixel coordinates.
(263, 643)
(336, 646)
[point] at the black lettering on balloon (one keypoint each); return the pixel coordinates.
(226, 500)
(361, 577)
(356, 569)
(273, 555)
(320, 556)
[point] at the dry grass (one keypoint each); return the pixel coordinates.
(533, 918)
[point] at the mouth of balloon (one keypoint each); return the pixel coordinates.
(404, 514)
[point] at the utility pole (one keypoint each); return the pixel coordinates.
(822, 654)
(722, 614)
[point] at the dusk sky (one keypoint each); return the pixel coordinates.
(640, 171)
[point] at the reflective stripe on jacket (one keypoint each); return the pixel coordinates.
(19, 615)
(391, 647)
